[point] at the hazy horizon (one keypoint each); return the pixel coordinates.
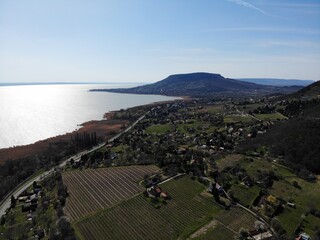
(145, 41)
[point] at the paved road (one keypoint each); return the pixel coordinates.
(6, 202)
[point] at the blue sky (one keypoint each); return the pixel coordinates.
(147, 40)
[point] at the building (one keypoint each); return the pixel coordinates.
(303, 236)
(263, 236)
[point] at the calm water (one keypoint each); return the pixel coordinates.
(32, 113)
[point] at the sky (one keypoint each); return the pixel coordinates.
(147, 40)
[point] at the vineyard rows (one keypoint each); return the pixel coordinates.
(138, 219)
(243, 219)
(93, 190)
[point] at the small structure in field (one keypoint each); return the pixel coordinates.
(291, 204)
(155, 192)
(263, 236)
(303, 236)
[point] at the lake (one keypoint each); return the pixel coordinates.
(30, 113)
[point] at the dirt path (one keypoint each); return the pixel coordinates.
(204, 229)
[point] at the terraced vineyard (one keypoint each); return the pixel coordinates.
(139, 219)
(93, 190)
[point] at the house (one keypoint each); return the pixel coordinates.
(219, 187)
(311, 177)
(33, 197)
(291, 204)
(247, 181)
(36, 188)
(303, 236)
(154, 191)
(263, 236)
(164, 195)
(29, 207)
(215, 185)
(23, 198)
(76, 164)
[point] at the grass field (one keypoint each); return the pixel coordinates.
(252, 106)
(136, 218)
(93, 190)
(214, 109)
(245, 195)
(159, 129)
(228, 161)
(271, 116)
(238, 118)
(219, 232)
(307, 195)
(197, 126)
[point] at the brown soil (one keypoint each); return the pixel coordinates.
(204, 229)
(103, 129)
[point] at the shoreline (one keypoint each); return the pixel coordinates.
(105, 129)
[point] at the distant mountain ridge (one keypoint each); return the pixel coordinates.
(202, 84)
(277, 81)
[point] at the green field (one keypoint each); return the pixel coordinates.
(238, 118)
(271, 116)
(245, 195)
(214, 109)
(252, 106)
(219, 232)
(228, 161)
(136, 218)
(307, 195)
(159, 129)
(197, 126)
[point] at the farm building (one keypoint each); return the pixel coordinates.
(303, 236)
(263, 236)
(156, 191)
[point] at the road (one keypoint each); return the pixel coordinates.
(6, 202)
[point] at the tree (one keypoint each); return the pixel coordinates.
(3, 220)
(296, 184)
(65, 228)
(13, 201)
(243, 234)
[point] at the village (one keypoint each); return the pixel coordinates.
(199, 139)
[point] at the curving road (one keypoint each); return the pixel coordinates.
(6, 202)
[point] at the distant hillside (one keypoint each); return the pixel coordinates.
(202, 84)
(277, 81)
(311, 91)
(297, 139)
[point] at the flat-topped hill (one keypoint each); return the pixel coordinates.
(202, 84)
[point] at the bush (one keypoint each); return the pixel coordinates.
(145, 193)
(154, 200)
(3, 220)
(296, 184)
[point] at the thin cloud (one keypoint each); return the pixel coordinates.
(293, 5)
(248, 5)
(267, 29)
